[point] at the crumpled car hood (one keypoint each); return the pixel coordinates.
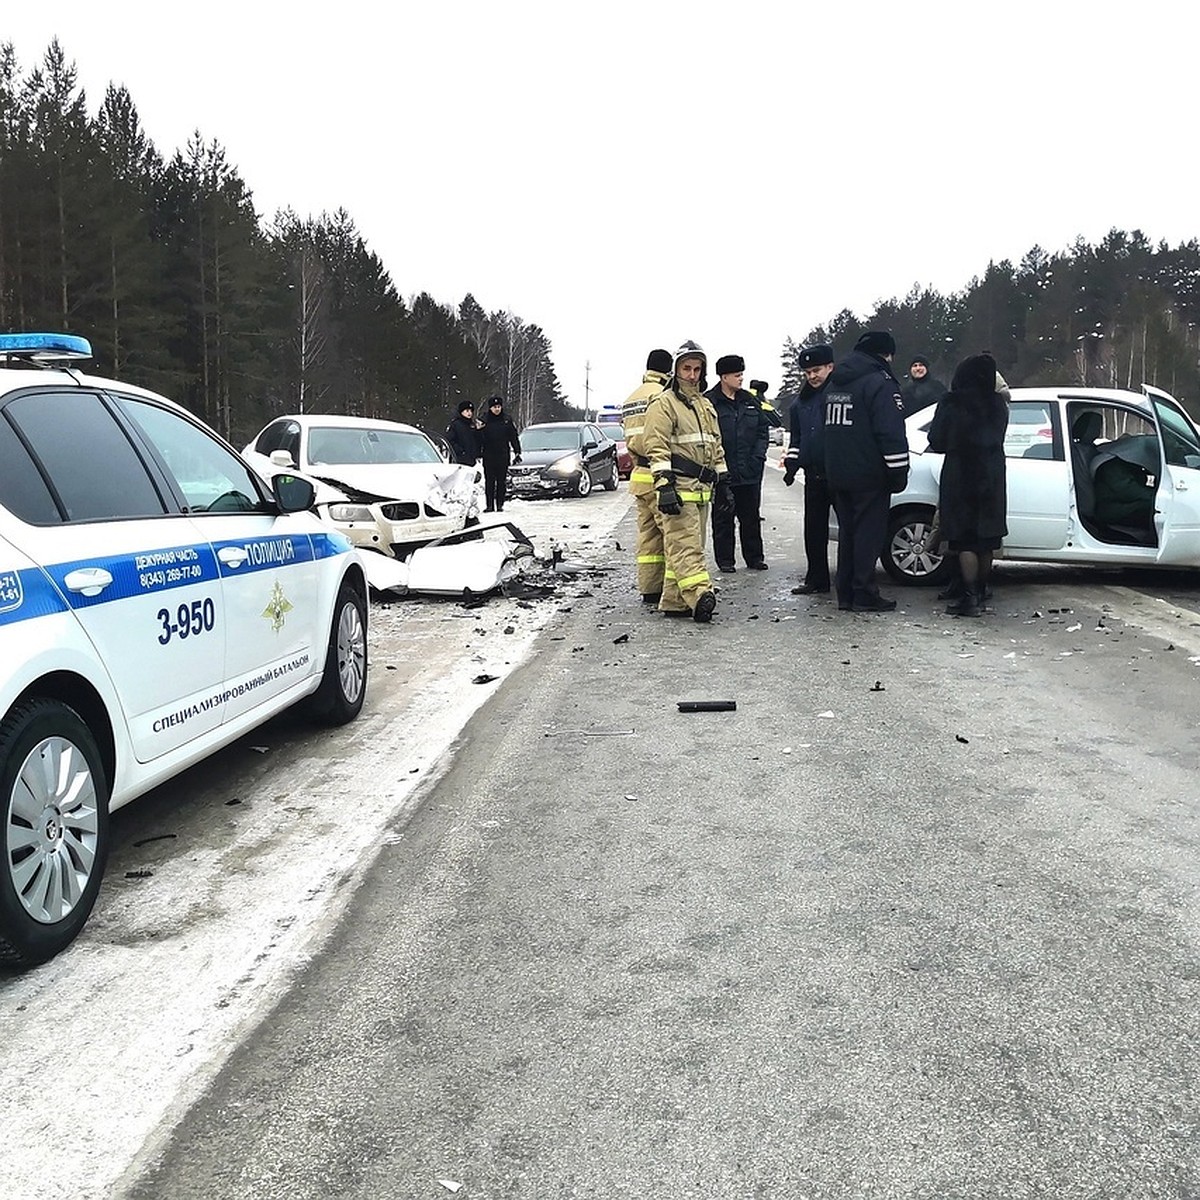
(444, 487)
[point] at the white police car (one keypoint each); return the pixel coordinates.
(157, 600)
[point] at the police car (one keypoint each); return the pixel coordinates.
(157, 600)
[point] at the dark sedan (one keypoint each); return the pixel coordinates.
(563, 458)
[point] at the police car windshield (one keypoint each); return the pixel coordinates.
(549, 438)
(356, 447)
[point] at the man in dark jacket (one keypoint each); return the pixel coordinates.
(921, 390)
(745, 434)
(866, 460)
(496, 437)
(463, 435)
(806, 452)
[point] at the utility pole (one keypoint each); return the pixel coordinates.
(587, 390)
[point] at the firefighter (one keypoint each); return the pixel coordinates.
(650, 558)
(682, 440)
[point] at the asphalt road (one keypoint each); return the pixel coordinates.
(919, 919)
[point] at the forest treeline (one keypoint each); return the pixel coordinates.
(182, 286)
(1117, 314)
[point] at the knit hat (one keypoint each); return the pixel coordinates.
(730, 364)
(919, 358)
(659, 360)
(815, 356)
(759, 386)
(878, 342)
(463, 405)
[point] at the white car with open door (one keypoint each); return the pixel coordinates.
(1094, 475)
(157, 600)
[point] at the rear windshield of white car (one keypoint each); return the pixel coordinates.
(358, 447)
(550, 439)
(614, 433)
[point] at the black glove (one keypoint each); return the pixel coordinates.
(723, 497)
(668, 499)
(789, 474)
(897, 480)
(516, 459)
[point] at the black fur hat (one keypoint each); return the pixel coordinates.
(815, 356)
(463, 405)
(730, 364)
(878, 342)
(660, 360)
(975, 374)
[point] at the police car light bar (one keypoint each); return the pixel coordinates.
(44, 347)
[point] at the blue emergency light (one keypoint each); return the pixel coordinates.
(44, 347)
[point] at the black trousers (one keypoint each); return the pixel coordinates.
(862, 531)
(817, 503)
(747, 501)
(495, 484)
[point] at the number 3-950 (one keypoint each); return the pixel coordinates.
(188, 620)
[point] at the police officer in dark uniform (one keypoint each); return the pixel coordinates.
(806, 452)
(866, 461)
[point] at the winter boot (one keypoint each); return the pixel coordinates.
(952, 591)
(972, 601)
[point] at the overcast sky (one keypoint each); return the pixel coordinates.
(628, 175)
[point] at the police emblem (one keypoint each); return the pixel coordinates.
(278, 608)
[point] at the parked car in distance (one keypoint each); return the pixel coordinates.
(563, 458)
(158, 599)
(616, 433)
(387, 486)
(1094, 475)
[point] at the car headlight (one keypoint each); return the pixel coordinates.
(565, 466)
(350, 512)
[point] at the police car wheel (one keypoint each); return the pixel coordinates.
(610, 484)
(55, 807)
(584, 486)
(906, 558)
(343, 688)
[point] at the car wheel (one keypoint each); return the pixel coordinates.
(55, 804)
(906, 557)
(584, 486)
(343, 688)
(610, 484)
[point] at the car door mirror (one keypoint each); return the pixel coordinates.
(292, 493)
(281, 458)
(589, 446)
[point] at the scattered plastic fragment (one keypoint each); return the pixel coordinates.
(826, 715)
(1011, 654)
(450, 1185)
(261, 749)
(589, 732)
(958, 737)
(630, 797)
(1074, 628)
(620, 641)
(878, 687)
(690, 706)
(485, 678)
(138, 874)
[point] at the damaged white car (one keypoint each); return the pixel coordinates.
(386, 486)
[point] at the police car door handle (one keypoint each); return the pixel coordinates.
(87, 581)
(232, 556)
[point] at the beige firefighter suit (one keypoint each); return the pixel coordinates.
(650, 558)
(681, 437)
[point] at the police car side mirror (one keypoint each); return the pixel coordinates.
(281, 458)
(292, 493)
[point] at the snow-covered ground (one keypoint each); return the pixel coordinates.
(242, 867)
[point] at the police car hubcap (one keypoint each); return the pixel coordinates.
(52, 827)
(351, 651)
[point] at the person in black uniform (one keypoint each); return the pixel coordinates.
(745, 434)
(866, 460)
(462, 435)
(497, 436)
(806, 452)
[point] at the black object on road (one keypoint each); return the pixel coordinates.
(707, 705)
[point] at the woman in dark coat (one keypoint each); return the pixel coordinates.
(496, 436)
(968, 428)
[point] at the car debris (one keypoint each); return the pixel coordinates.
(692, 706)
(469, 564)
